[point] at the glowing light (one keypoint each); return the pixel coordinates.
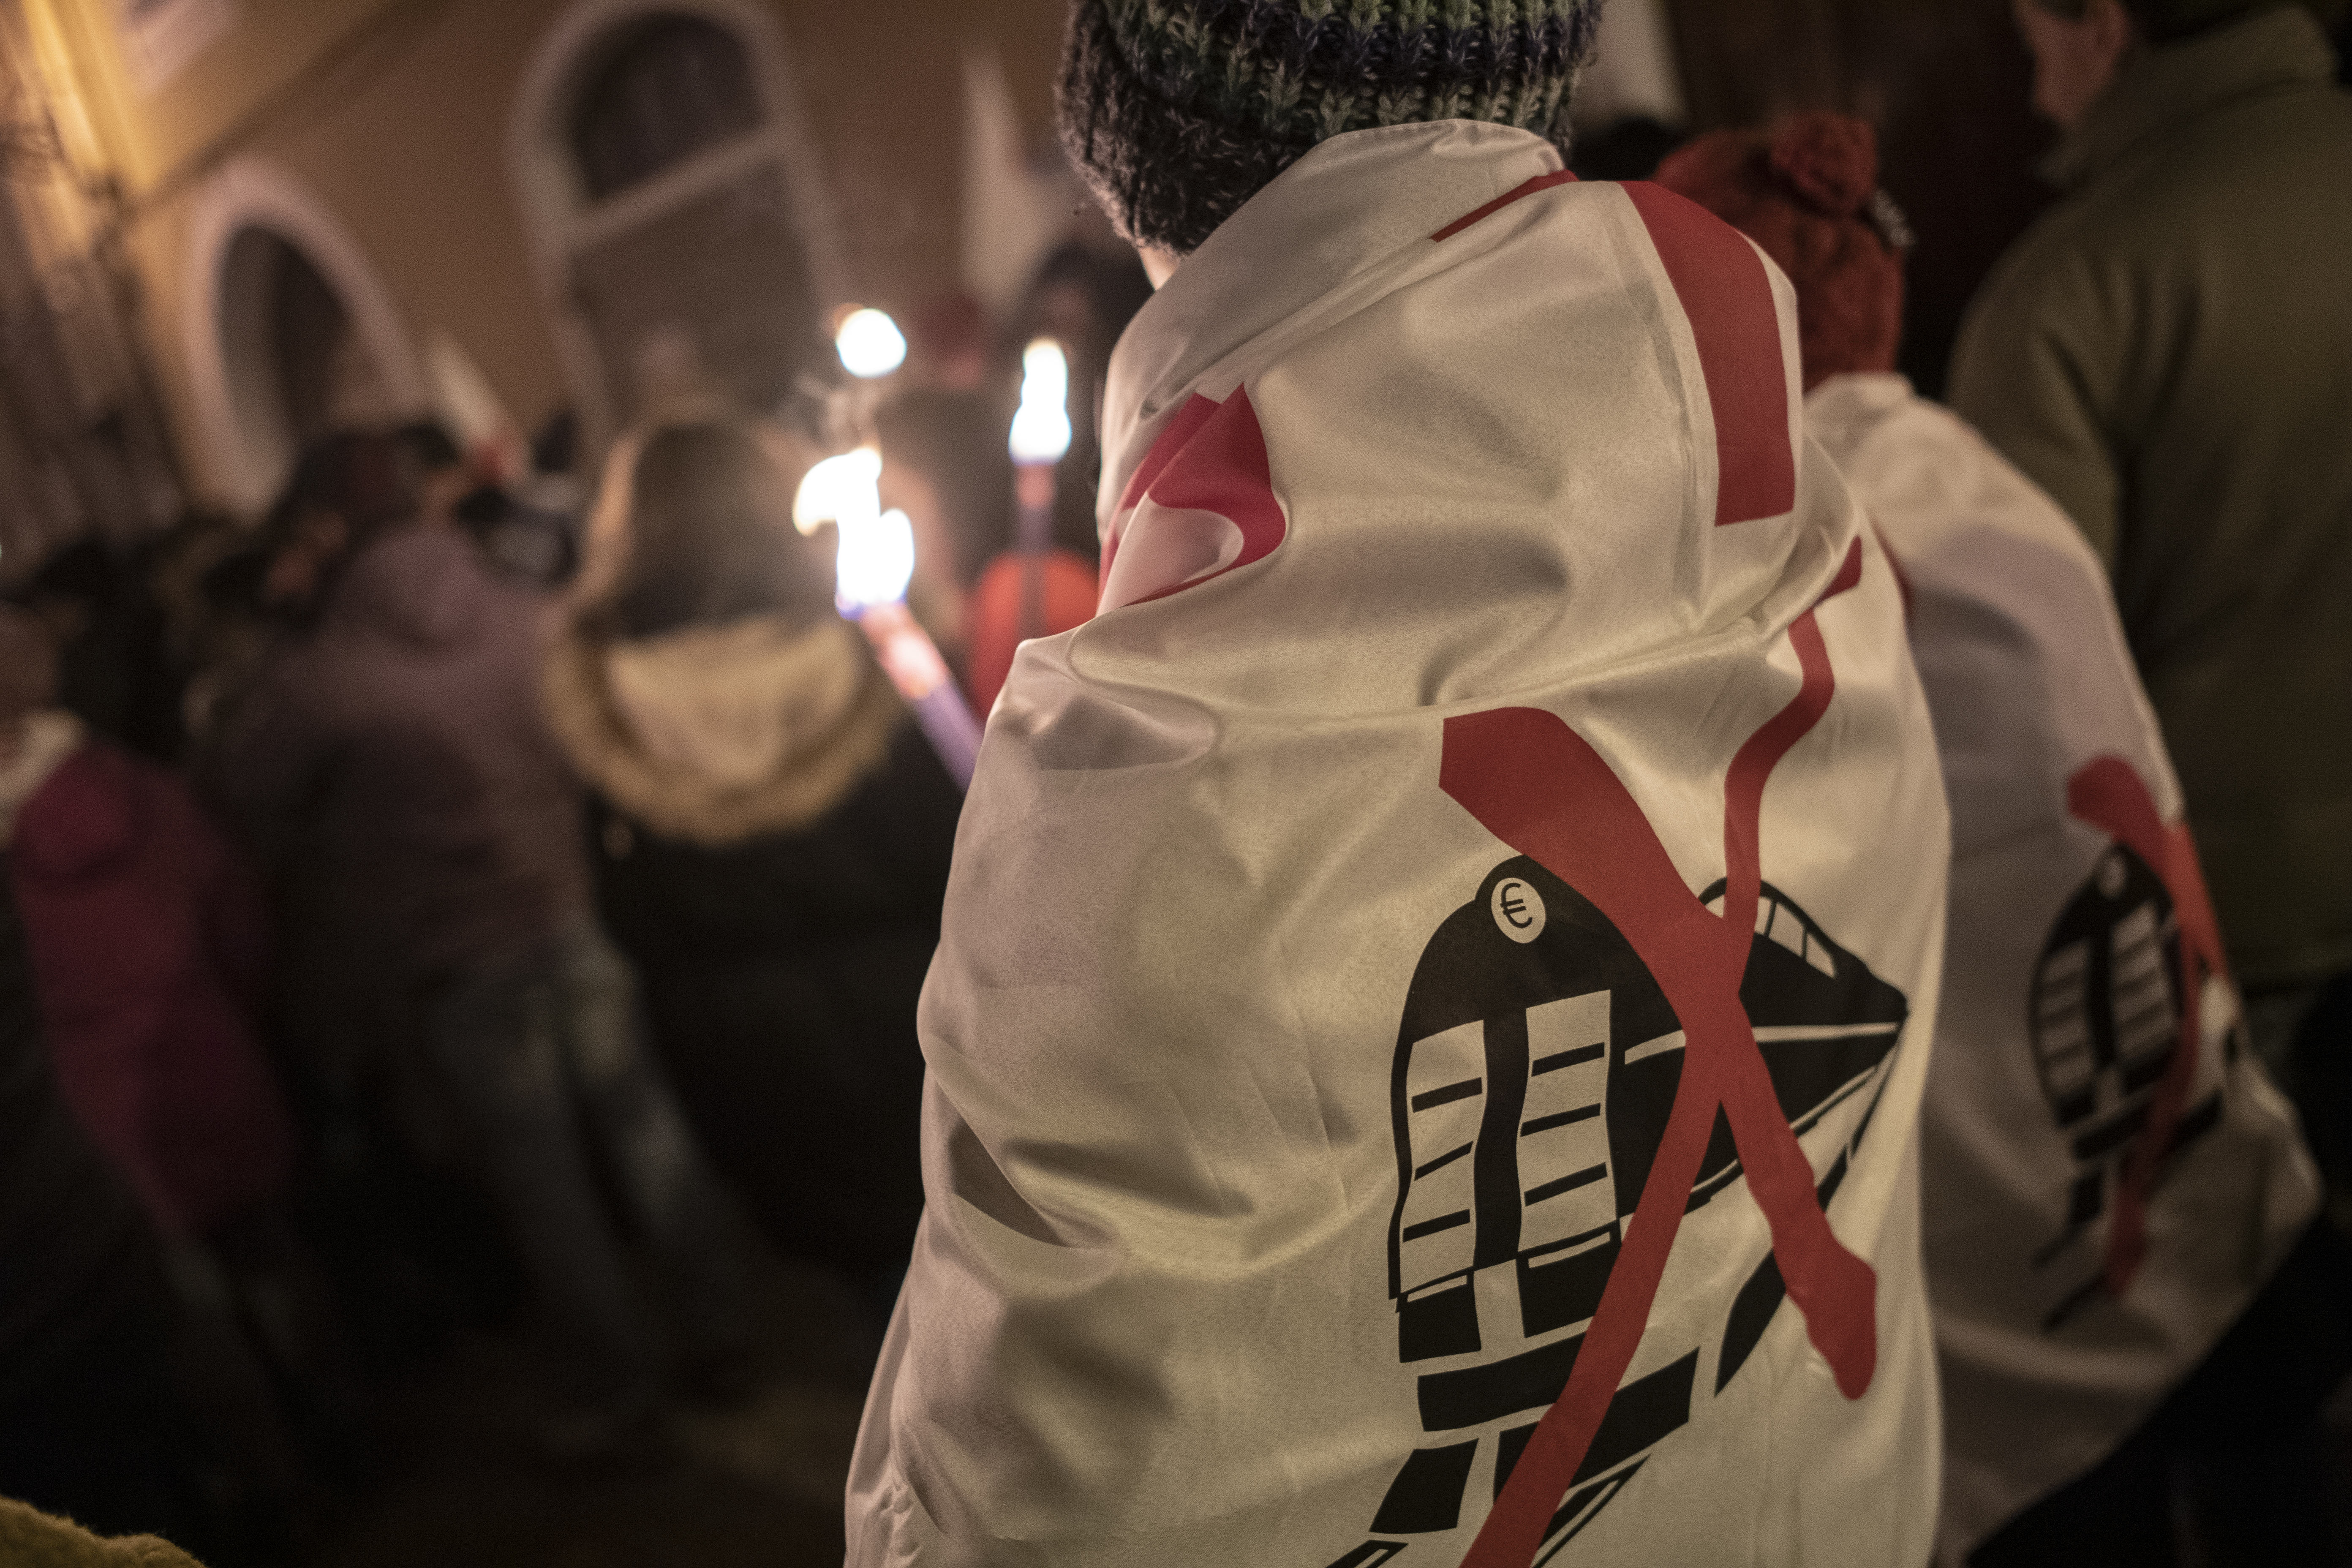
(1041, 426)
(875, 560)
(839, 487)
(870, 343)
(875, 553)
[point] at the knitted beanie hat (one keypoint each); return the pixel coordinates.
(1176, 112)
(1808, 193)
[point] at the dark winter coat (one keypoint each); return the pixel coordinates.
(2168, 353)
(149, 953)
(75, 1257)
(396, 769)
(773, 838)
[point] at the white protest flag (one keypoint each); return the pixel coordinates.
(2109, 1177)
(1427, 1040)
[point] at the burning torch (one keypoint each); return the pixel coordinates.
(876, 557)
(1041, 434)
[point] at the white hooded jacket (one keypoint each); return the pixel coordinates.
(1420, 965)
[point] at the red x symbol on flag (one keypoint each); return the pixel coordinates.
(2108, 795)
(1540, 787)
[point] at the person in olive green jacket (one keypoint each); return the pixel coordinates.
(2168, 353)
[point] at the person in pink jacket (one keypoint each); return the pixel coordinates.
(149, 949)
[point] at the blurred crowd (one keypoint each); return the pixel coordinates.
(438, 907)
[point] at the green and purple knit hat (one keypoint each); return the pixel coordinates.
(1176, 112)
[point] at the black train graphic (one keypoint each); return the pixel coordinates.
(2104, 1020)
(1536, 1067)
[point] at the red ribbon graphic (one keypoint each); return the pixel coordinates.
(1541, 788)
(2109, 796)
(1211, 457)
(1727, 296)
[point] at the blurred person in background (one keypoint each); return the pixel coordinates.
(396, 757)
(1018, 596)
(1626, 149)
(113, 669)
(384, 1195)
(944, 464)
(2168, 353)
(2086, 1383)
(948, 342)
(90, 1423)
(771, 832)
(149, 948)
(1082, 298)
(206, 576)
(517, 530)
(231, 597)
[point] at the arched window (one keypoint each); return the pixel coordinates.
(668, 87)
(288, 327)
(295, 361)
(675, 205)
(287, 331)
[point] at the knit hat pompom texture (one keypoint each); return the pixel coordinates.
(1807, 192)
(1830, 161)
(1176, 112)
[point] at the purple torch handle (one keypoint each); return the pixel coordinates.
(952, 732)
(913, 663)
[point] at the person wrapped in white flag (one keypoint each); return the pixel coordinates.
(2108, 1177)
(1433, 1003)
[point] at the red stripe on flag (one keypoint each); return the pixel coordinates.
(1211, 457)
(1721, 283)
(1164, 447)
(1180, 430)
(1221, 467)
(1540, 787)
(1526, 188)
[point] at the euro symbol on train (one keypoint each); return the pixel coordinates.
(1519, 910)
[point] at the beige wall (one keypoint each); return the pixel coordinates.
(395, 115)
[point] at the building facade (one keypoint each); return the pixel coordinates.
(327, 210)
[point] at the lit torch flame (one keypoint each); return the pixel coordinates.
(1041, 427)
(873, 561)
